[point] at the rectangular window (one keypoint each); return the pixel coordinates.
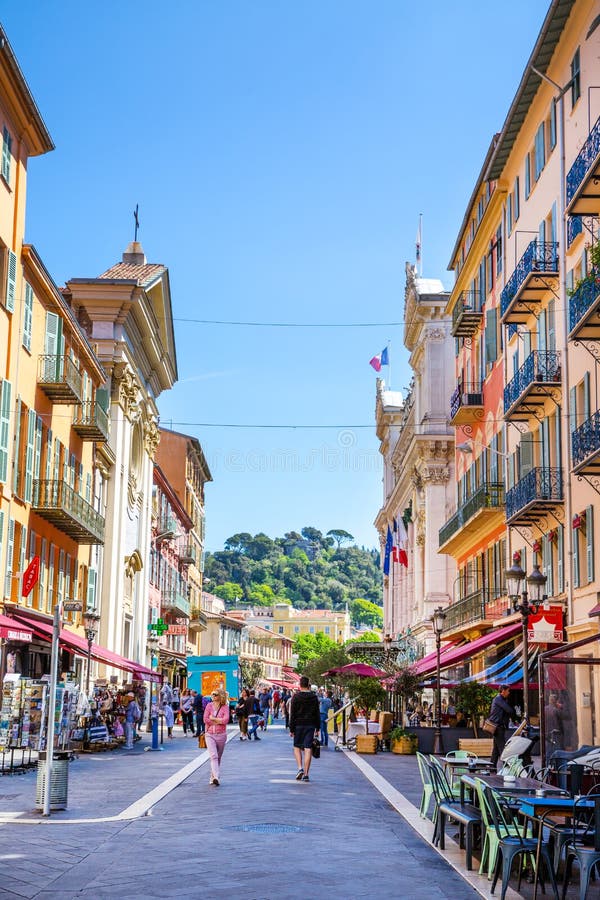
(527, 175)
(517, 203)
(552, 125)
(509, 214)
(60, 596)
(29, 455)
(17, 466)
(540, 151)
(7, 153)
(4, 429)
(11, 281)
(1, 531)
(576, 77)
(27, 316)
(589, 542)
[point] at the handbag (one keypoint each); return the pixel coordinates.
(316, 748)
(489, 726)
(201, 741)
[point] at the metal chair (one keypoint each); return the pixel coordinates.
(427, 794)
(512, 844)
(583, 843)
(467, 817)
(490, 840)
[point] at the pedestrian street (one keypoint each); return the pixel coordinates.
(260, 834)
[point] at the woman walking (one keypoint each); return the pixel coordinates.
(241, 712)
(216, 717)
(187, 712)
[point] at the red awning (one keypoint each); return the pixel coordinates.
(422, 666)
(78, 644)
(455, 655)
(13, 631)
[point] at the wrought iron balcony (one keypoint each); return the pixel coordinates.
(467, 314)
(466, 403)
(175, 600)
(59, 378)
(57, 502)
(583, 178)
(536, 274)
(584, 309)
(90, 421)
(198, 621)
(574, 227)
(534, 382)
(489, 497)
(536, 494)
(585, 446)
(469, 610)
(189, 554)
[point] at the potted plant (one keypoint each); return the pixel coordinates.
(406, 683)
(403, 741)
(475, 700)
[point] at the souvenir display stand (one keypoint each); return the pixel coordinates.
(22, 713)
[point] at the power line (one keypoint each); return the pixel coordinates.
(293, 324)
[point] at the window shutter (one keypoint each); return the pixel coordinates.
(491, 336)
(589, 542)
(542, 344)
(22, 551)
(91, 589)
(1, 531)
(27, 316)
(572, 409)
(11, 281)
(61, 576)
(560, 562)
(17, 456)
(527, 175)
(51, 338)
(37, 458)
(29, 455)
(42, 578)
(552, 324)
(51, 561)
(517, 198)
(10, 550)
(6, 154)
(526, 455)
(586, 397)
(4, 429)
(575, 540)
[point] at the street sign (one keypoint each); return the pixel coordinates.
(72, 606)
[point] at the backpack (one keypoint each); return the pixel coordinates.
(276, 697)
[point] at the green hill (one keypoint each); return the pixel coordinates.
(307, 569)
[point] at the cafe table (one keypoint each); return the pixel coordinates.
(516, 788)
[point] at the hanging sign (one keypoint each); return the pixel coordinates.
(546, 626)
(177, 629)
(30, 576)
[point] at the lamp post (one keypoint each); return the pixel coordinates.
(526, 603)
(90, 623)
(152, 642)
(438, 618)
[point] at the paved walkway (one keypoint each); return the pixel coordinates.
(261, 834)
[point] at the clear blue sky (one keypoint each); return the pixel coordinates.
(281, 153)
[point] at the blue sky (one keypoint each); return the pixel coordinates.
(281, 153)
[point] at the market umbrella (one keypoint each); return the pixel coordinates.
(362, 670)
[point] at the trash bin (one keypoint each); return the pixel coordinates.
(59, 784)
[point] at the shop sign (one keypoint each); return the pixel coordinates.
(177, 629)
(30, 576)
(546, 626)
(13, 634)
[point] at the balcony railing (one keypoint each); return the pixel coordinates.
(466, 611)
(90, 421)
(189, 555)
(585, 444)
(583, 184)
(174, 599)
(540, 369)
(467, 314)
(198, 621)
(540, 258)
(59, 378)
(57, 502)
(488, 496)
(466, 403)
(574, 227)
(534, 494)
(583, 306)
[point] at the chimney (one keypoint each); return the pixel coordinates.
(134, 254)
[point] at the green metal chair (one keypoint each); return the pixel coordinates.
(490, 840)
(427, 794)
(454, 788)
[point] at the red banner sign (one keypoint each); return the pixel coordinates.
(31, 575)
(546, 626)
(177, 629)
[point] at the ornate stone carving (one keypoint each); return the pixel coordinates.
(151, 437)
(435, 334)
(435, 474)
(133, 564)
(126, 391)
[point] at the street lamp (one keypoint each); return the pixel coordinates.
(90, 624)
(438, 618)
(526, 603)
(152, 643)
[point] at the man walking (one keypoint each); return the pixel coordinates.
(501, 712)
(305, 722)
(325, 707)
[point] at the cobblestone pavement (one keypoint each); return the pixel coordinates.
(261, 835)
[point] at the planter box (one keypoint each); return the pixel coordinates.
(450, 737)
(366, 743)
(405, 746)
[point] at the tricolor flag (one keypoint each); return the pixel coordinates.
(418, 242)
(382, 360)
(401, 555)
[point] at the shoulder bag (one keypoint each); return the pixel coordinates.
(489, 726)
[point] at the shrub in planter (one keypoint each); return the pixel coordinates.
(403, 741)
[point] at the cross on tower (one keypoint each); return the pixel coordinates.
(136, 220)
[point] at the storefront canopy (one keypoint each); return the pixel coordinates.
(78, 644)
(452, 656)
(13, 631)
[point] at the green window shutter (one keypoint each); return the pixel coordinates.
(37, 458)
(29, 455)
(589, 542)
(560, 568)
(22, 551)
(48, 474)
(1, 532)
(4, 429)
(102, 399)
(575, 540)
(91, 589)
(42, 579)
(52, 559)
(10, 550)
(68, 577)
(27, 316)
(16, 458)
(6, 154)
(61, 577)
(11, 281)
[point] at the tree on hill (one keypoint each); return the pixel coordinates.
(229, 592)
(367, 637)
(311, 646)
(363, 612)
(340, 536)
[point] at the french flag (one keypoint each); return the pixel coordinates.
(381, 360)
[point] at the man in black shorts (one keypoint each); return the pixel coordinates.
(305, 724)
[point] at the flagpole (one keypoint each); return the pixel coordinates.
(389, 366)
(421, 244)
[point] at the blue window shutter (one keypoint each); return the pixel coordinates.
(4, 429)
(29, 455)
(589, 542)
(527, 175)
(91, 589)
(27, 316)
(11, 281)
